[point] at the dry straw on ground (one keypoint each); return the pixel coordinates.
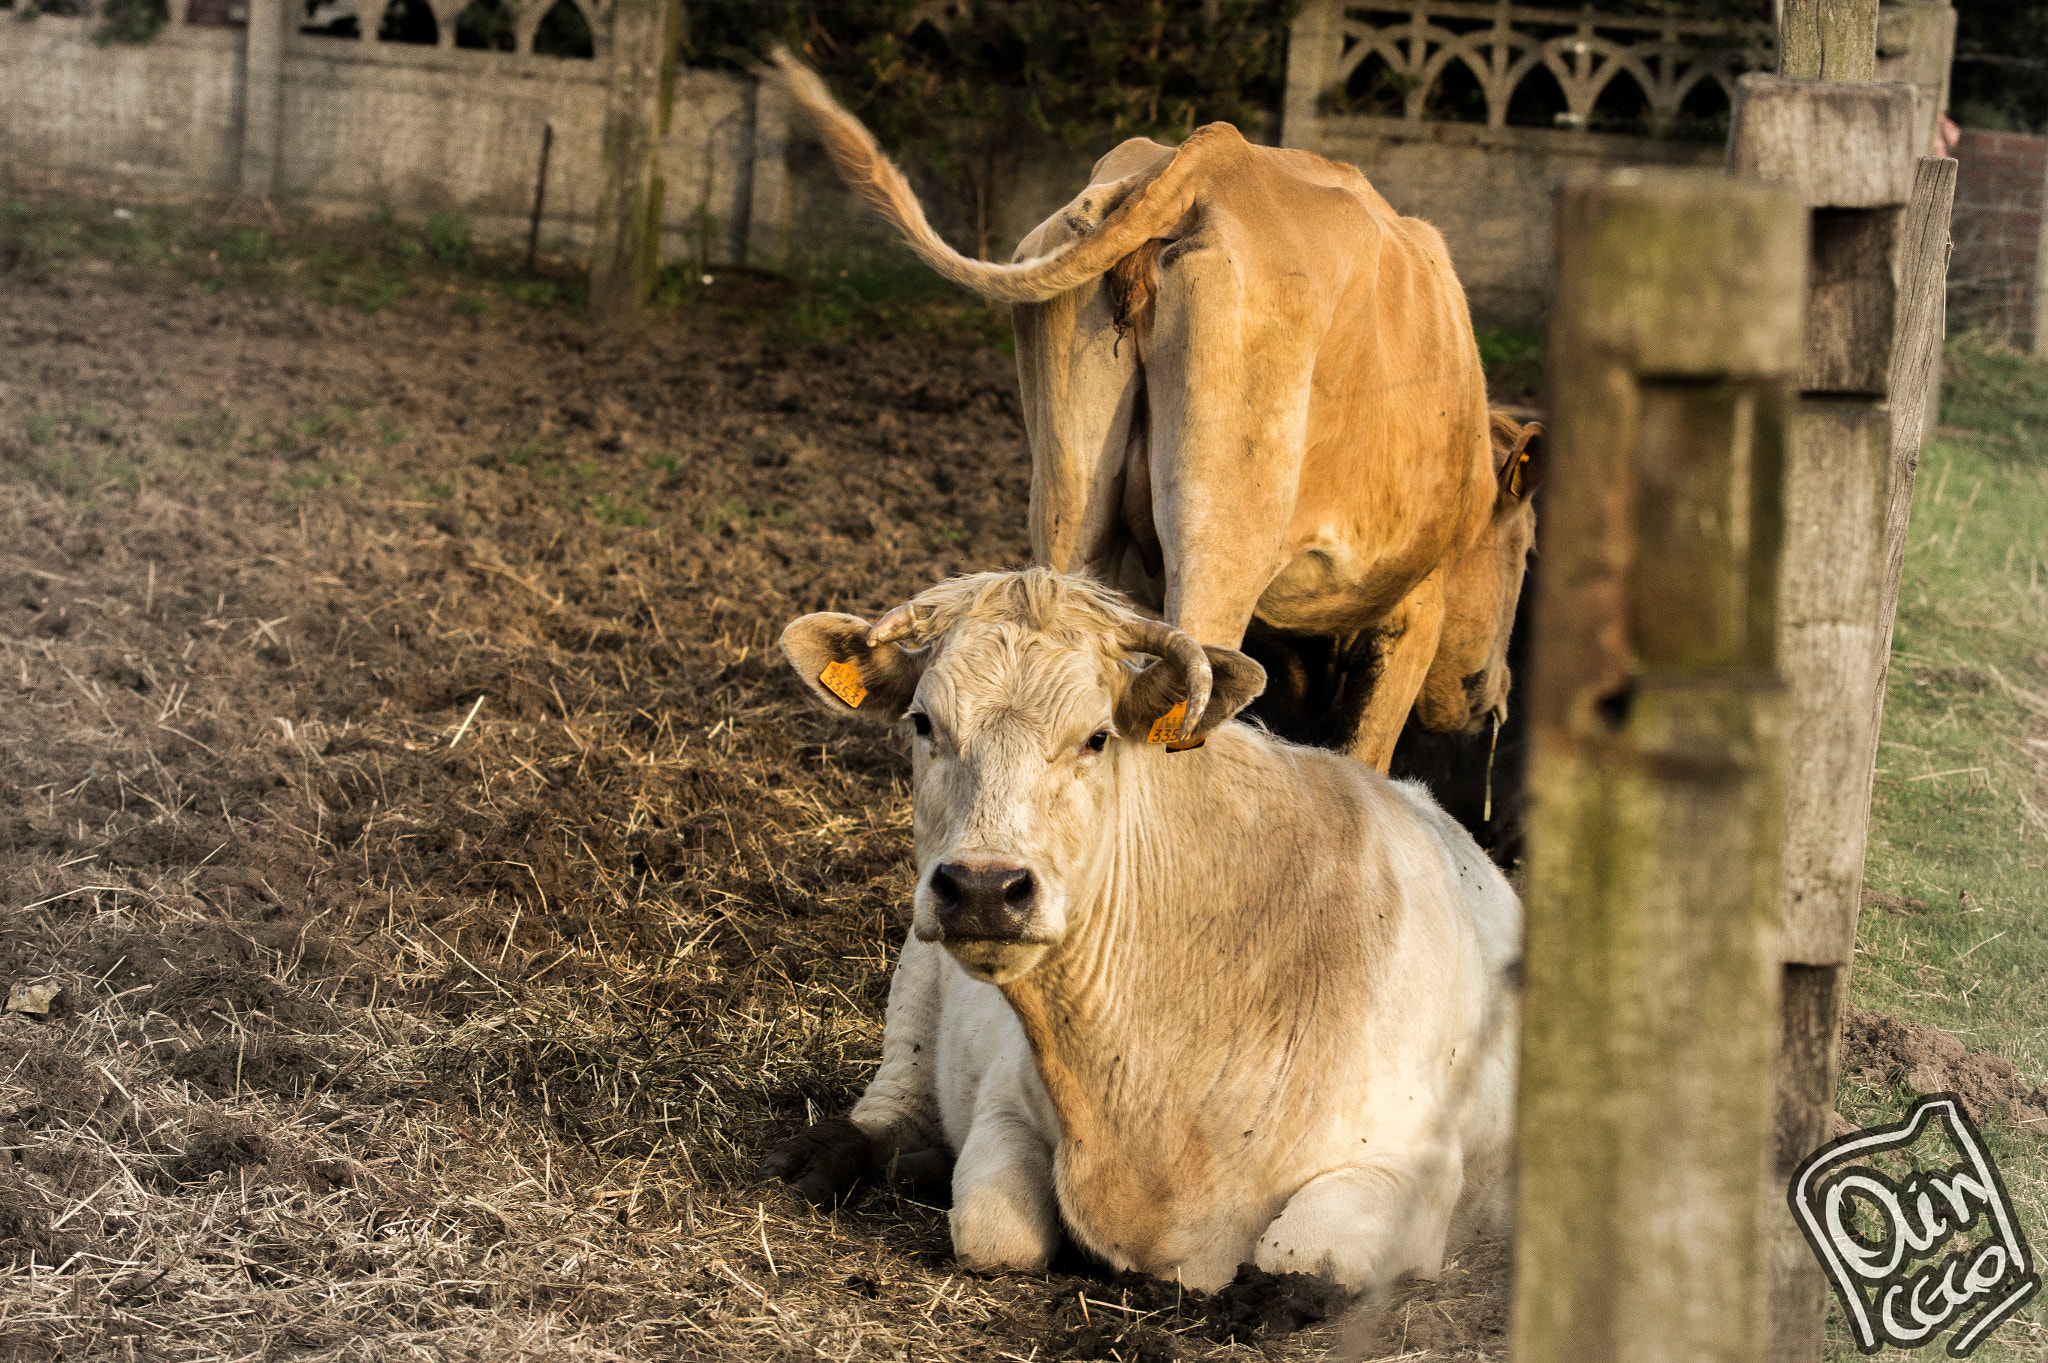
(452, 899)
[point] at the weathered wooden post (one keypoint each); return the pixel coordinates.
(1916, 43)
(1872, 333)
(1828, 39)
(1655, 774)
(627, 249)
(1916, 364)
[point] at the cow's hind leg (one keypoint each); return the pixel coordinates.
(1368, 1223)
(1406, 645)
(1004, 1211)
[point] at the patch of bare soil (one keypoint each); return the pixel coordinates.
(452, 897)
(1879, 1049)
(1463, 1314)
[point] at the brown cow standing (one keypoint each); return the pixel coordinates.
(1255, 403)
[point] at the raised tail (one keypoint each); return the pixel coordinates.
(1150, 209)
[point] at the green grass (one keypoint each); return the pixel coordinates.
(1959, 815)
(623, 508)
(862, 284)
(1513, 360)
(317, 424)
(367, 264)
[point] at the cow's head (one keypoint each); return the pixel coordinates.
(1469, 678)
(1028, 710)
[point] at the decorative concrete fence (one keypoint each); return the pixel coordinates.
(1467, 114)
(445, 112)
(1470, 114)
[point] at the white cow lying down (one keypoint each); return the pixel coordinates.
(1240, 1003)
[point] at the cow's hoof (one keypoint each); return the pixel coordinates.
(823, 1163)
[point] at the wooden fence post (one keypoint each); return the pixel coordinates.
(1872, 333)
(1828, 39)
(1916, 43)
(1655, 774)
(627, 249)
(1916, 360)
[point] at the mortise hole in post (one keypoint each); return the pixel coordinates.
(1809, 1012)
(1850, 301)
(1708, 467)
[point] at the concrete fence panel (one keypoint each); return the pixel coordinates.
(1470, 115)
(361, 123)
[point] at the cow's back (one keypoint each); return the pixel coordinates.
(1396, 471)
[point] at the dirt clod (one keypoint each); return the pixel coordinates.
(1879, 1048)
(1150, 1318)
(217, 1147)
(26, 1231)
(211, 993)
(222, 1069)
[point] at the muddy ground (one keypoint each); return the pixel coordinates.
(452, 899)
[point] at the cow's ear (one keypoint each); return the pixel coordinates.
(1234, 682)
(1518, 460)
(830, 652)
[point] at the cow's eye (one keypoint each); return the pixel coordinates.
(921, 722)
(1097, 740)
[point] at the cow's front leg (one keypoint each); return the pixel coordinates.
(1367, 1224)
(1004, 1214)
(894, 1130)
(1406, 642)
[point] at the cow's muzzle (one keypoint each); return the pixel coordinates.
(993, 903)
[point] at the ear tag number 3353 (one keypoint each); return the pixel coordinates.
(843, 681)
(1166, 730)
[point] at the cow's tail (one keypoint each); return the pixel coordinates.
(1149, 210)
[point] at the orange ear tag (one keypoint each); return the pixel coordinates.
(843, 681)
(1166, 730)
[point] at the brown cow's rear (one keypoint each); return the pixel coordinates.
(1255, 403)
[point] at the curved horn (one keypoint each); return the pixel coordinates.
(1165, 642)
(897, 624)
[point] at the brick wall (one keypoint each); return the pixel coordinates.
(1997, 232)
